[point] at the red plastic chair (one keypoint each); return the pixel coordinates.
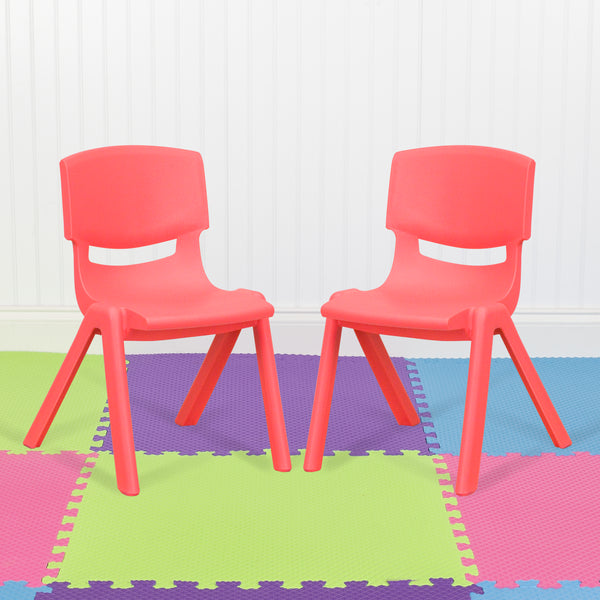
(133, 196)
(462, 196)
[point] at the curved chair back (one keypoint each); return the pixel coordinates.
(131, 196)
(463, 196)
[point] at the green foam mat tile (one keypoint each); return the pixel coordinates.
(211, 519)
(25, 380)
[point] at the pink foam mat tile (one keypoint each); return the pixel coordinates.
(531, 518)
(36, 499)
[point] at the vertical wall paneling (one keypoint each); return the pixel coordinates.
(274, 148)
(359, 217)
(323, 158)
(49, 237)
(23, 154)
(191, 56)
(190, 103)
(345, 211)
(214, 43)
(69, 112)
(408, 68)
(433, 73)
(309, 263)
(562, 137)
(297, 109)
(92, 73)
(299, 235)
(572, 215)
(589, 244)
(261, 132)
(383, 129)
(8, 233)
(332, 171)
(238, 116)
(141, 51)
(35, 193)
(548, 175)
(287, 141)
(527, 122)
(165, 40)
(117, 71)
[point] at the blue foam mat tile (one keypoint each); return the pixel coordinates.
(440, 589)
(512, 422)
(568, 590)
(18, 590)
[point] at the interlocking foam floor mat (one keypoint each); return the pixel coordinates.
(380, 520)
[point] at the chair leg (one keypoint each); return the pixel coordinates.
(387, 377)
(534, 385)
(118, 404)
(60, 385)
(475, 406)
(317, 433)
(207, 377)
(271, 396)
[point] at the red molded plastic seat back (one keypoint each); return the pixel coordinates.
(443, 194)
(131, 196)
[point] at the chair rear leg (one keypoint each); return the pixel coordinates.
(317, 433)
(475, 406)
(207, 377)
(118, 405)
(280, 451)
(60, 385)
(535, 387)
(387, 377)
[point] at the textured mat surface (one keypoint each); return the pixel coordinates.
(233, 518)
(534, 517)
(441, 589)
(380, 520)
(25, 378)
(234, 418)
(33, 500)
(567, 590)
(19, 590)
(512, 423)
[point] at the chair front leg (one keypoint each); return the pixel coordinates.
(387, 377)
(280, 451)
(207, 377)
(60, 385)
(315, 446)
(118, 403)
(475, 404)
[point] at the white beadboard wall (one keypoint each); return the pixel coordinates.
(297, 108)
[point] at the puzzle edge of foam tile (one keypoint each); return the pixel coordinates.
(88, 529)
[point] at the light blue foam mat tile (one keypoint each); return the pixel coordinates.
(18, 590)
(512, 423)
(528, 590)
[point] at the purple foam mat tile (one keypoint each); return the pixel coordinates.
(234, 417)
(441, 589)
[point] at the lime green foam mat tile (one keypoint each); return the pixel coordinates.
(210, 519)
(25, 379)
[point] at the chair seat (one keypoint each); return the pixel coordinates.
(401, 309)
(188, 307)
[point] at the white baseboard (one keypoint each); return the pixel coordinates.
(574, 332)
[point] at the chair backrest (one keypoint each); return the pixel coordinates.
(131, 196)
(463, 196)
